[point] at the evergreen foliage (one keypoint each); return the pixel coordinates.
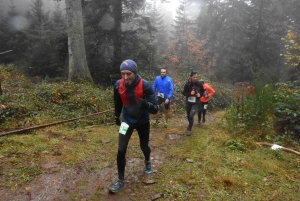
(58, 19)
(233, 41)
(160, 33)
(287, 113)
(47, 53)
(40, 20)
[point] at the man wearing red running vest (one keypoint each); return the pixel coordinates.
(135, 99)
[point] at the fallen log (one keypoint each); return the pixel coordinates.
(51, 124)
(283, 148)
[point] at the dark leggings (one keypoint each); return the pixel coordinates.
(202, 110)
(143, 132)
(191, 110)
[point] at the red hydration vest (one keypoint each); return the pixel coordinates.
(138, 92)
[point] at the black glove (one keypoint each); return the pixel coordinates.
(117, 120)
(142, 103)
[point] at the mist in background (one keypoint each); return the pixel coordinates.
(23, 5)
(231, 41)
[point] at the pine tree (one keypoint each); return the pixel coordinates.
(58, 19)
(222, 24)
(186, 48)
(160, 33)
(181, 26)
(46, 51)
(40, 19)
(243, 38)
(264, 29)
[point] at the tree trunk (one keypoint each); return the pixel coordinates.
(78, 68)
(117, 31)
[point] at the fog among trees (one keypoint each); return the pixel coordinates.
(226, 41)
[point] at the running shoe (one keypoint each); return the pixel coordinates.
(117, 186)
(156, 122)
(189, 133)
(148, 168)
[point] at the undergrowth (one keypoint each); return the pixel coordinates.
(30, 102)
(220, 161)
(271, 113)
(25, 104)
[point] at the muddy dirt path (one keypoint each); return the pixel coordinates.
(78, 183)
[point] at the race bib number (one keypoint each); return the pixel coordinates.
(123, 128)
(205, 106)
(161, 95)
(192, 99)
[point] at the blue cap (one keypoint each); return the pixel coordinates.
(129, 65)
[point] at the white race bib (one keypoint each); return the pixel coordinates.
(205, 106)
(123, 128)
(192, 99)
(161, 95)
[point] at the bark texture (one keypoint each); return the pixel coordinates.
(78, 67)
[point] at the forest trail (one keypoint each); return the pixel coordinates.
(79, 183)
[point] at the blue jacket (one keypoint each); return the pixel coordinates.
(163, 85)
(132, 114)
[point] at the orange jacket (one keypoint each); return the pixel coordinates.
(209, 91)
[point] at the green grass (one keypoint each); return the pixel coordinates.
(203, 167)
(22, 156)
(209, 165)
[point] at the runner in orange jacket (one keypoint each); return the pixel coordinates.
(204, 101)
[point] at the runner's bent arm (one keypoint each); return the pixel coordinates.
(117, 100)
(150, 97)
(210, 91)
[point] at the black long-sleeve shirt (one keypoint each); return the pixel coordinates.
(190, 86)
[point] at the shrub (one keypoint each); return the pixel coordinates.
(249, 113)
(287, 109)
